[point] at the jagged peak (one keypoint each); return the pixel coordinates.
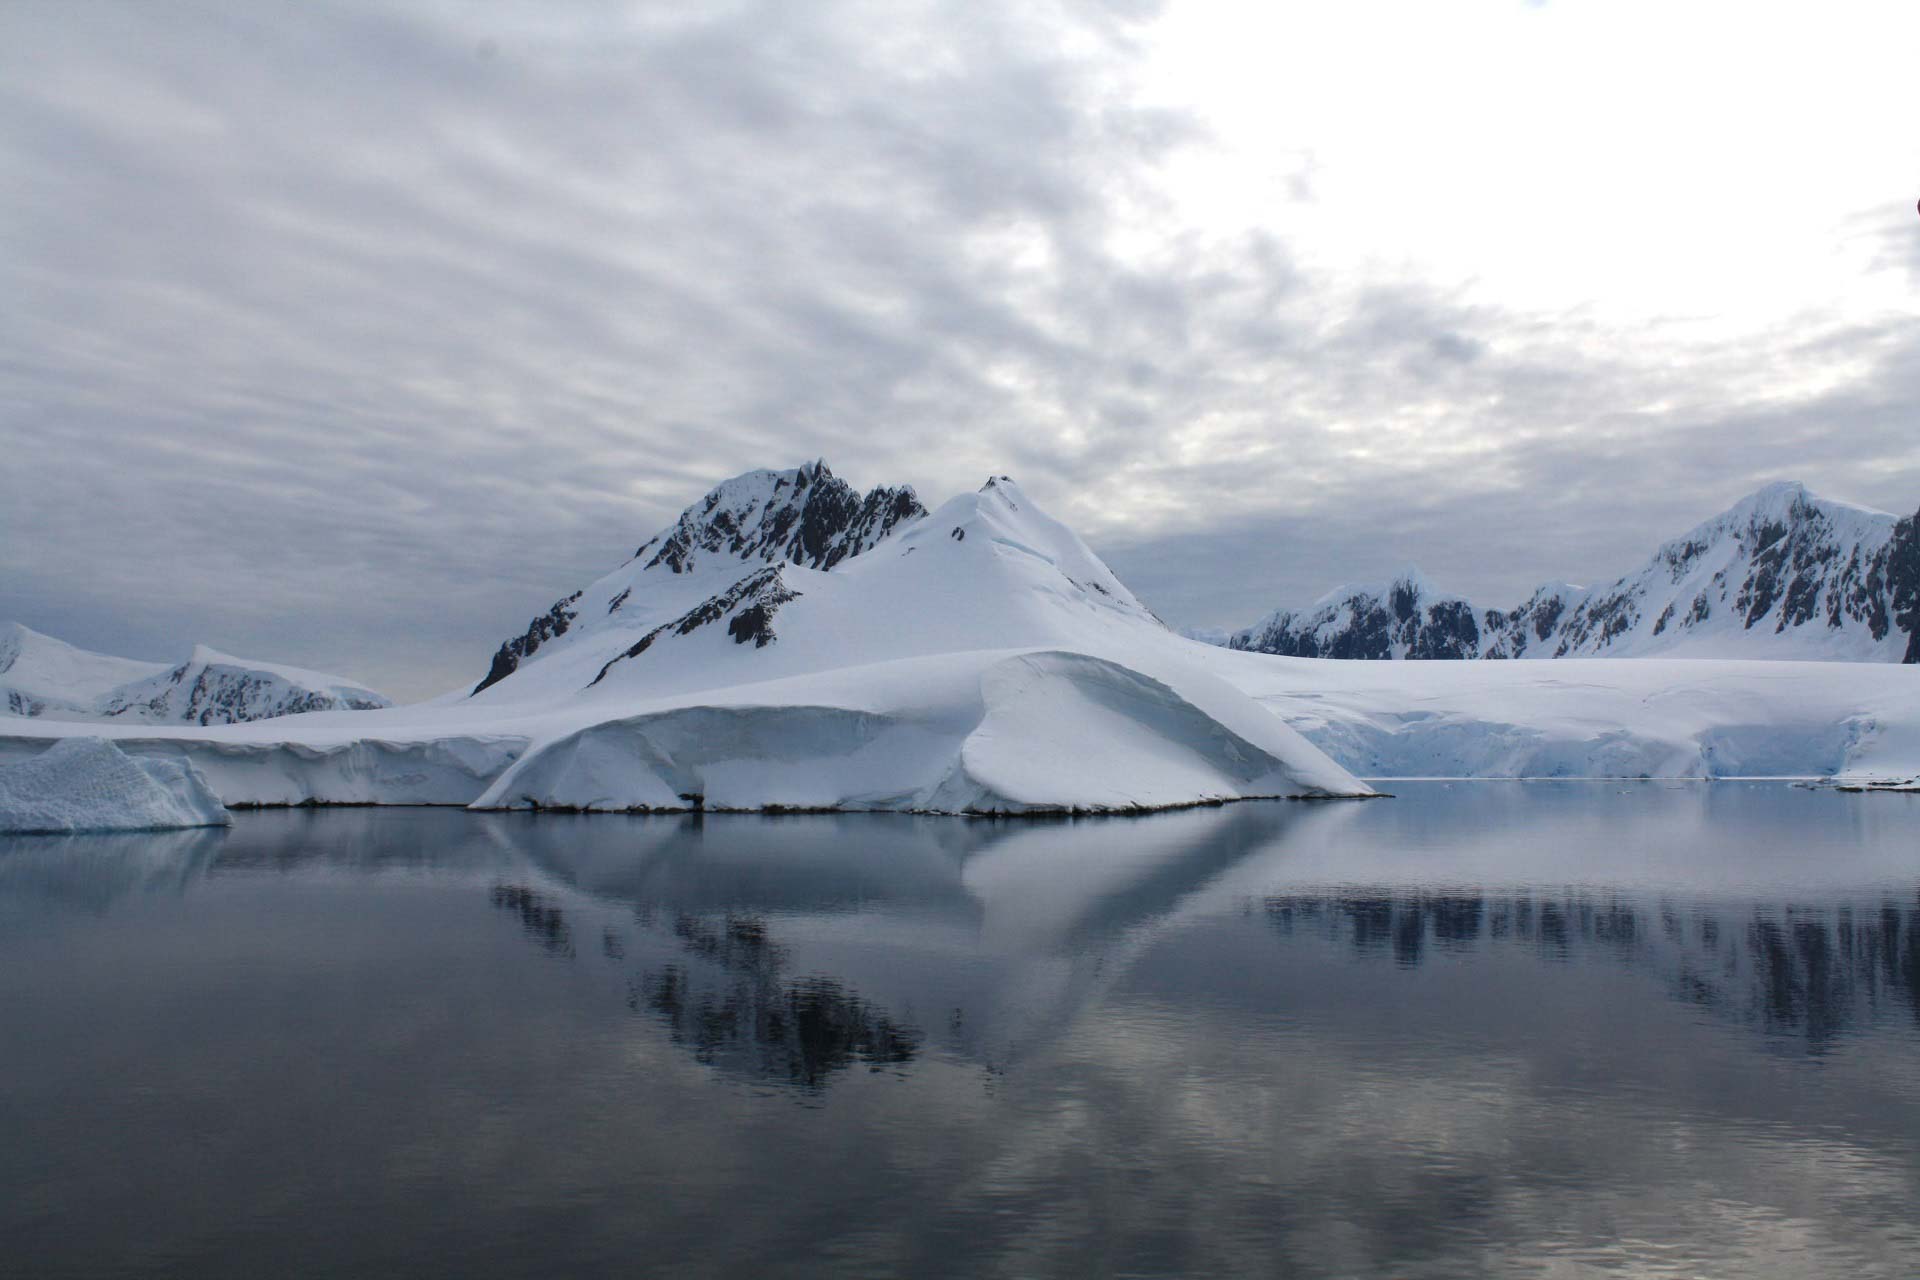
(1407, 575)
(765, 515)
(804, 515)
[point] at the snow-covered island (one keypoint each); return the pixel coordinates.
(789, 643)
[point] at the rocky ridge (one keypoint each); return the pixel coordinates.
(806, 516)
(1783, 573)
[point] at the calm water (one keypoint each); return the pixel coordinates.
(1481, 1029)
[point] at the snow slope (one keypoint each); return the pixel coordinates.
(978, 659)
(41, 676)
(1782, 574)
(89, 784)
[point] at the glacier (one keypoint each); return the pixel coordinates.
(1853, 723)
(84, 784)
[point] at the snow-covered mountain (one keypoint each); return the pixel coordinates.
(806, 516)
(215, 688)
(1404, 618)
(1781, 574)
(732, 592)
(976, 658)
(42, 676)
(790, 644)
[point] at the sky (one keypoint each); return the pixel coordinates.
(351, 335)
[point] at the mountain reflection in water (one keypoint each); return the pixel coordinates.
(1810, 970)
(724, 889)
(735, 1005)
(1480, 1029)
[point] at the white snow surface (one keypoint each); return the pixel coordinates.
(89, 784)
(42, 676)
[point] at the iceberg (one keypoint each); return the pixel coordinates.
(89, 784)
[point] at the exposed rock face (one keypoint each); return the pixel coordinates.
(1903, 582)
(211, 688)
(554, 622)
(748, 606)
(1404, 619)
(1781, 574)
(807, 516)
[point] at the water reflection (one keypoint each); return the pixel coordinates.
(720, 928)
(546, 923)
(729, 1000)
(797, 943)
(89, 873)
(1811, 970)
(754, 1018)
(1519, 1030)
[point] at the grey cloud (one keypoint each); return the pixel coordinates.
(355, 334)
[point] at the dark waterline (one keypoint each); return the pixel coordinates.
(1485, 1028)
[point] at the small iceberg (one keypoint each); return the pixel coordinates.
(88, 784)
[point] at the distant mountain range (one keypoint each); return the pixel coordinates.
(1780, 574)
(42, 676)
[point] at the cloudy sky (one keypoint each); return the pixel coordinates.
(352, 334)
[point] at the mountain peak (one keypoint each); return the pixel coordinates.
(806, 515)
(1779, 491)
